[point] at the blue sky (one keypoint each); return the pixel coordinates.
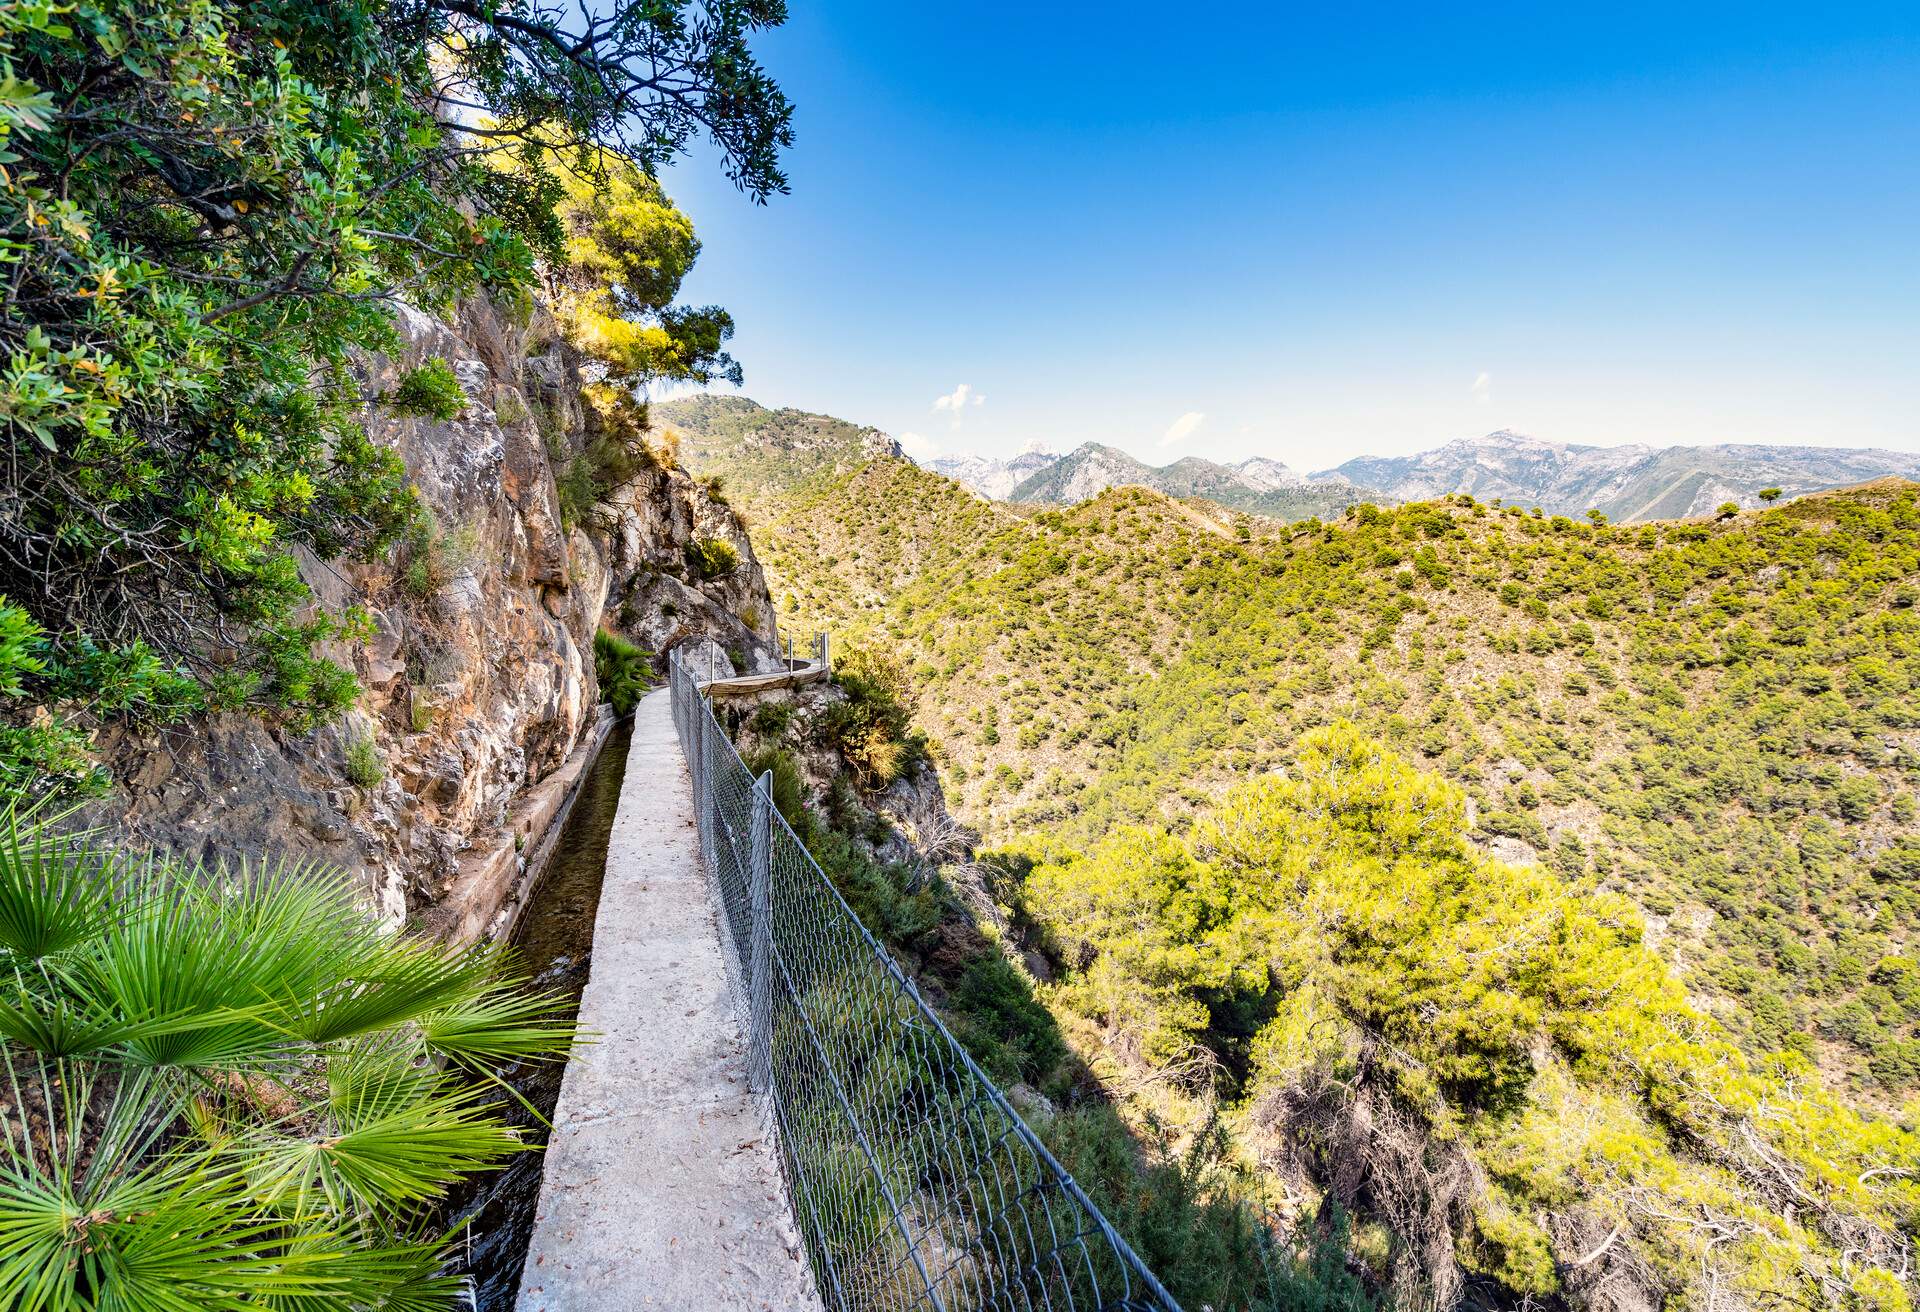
(1315, 233)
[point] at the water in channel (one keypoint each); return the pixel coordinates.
(554, 942)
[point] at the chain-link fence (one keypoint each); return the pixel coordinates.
(914, 1183)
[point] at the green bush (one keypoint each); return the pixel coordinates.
(711, 558)
(46, 755)
(1008, 1031)
(871, 725)
(430, 392)
(623, 670)
(364, 767)
(772, 719)
(577, 489)
(789, 788)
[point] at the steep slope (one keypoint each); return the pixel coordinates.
(1627, 483)
(1652, 707)
(1712, 721)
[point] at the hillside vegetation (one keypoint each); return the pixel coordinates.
(1539, 889)
(765, 450)
(1717, 718)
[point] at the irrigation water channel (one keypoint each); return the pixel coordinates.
(554, 943)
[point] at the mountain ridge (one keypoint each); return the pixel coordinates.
(1633, 483)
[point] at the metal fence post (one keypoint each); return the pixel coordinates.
(760, 981)
(698, 723)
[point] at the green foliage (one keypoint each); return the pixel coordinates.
(787, 787)
(1692, 706)
(242, 1092)
(1701, 716)
(1190, 1231)
(870, 726)
(436, 556)
(1769, 494)
(579, 490)
(1495, 1000)
(627, 249)
(207, 213)
(623, 670)
(712, 558)
(364, 766)
(430, 392)
(1009, 1032)
(43, 755)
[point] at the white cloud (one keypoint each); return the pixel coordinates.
(957, 401)
(920, 448)
(1183, 428)
(1483, 387)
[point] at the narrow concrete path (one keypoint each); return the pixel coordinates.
(661, 1190)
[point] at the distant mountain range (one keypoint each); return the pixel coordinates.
(1627, 483)
(778, 448)
(1259, 486)
(995, 479)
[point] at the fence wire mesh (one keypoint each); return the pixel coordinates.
(913, 1182)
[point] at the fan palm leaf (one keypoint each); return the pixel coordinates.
(504, 1023)
(231, 1088)
(56, 890)
(381, 1164)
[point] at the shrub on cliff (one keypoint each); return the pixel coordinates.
(232, 1088)
(712, 558)
(871, 724)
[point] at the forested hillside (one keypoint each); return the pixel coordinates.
(1716, 717)
(1556, 877)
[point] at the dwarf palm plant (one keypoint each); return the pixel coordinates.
(230, 1088)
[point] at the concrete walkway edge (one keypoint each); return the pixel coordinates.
(661, 1187)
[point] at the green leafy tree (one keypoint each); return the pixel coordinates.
(1495, 1000)
(627, 250)
(206, 214)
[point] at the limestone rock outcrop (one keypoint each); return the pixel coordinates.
(478, 680)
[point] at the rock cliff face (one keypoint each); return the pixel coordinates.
(479, 678)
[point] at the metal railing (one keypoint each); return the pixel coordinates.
(914, 1183)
